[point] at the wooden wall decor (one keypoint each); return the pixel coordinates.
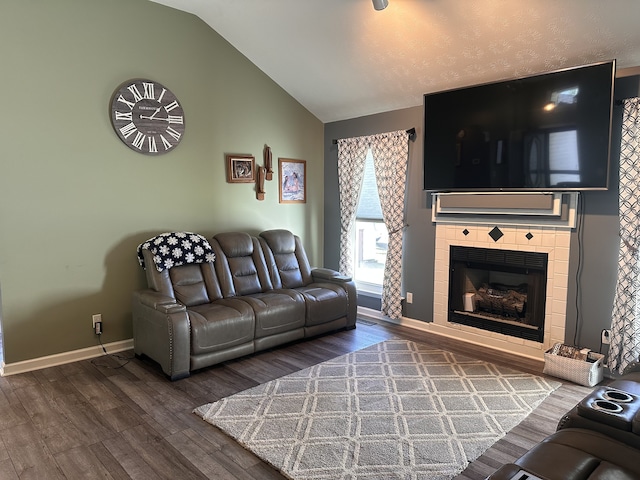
(268, 162)
(260, 183)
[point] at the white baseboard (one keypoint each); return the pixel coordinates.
(65, 357)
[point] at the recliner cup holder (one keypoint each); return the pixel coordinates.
(612, 408)
(606, 406)
(617, 396)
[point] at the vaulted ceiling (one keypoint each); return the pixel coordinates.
(342, 59)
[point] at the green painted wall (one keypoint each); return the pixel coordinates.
(75, 202)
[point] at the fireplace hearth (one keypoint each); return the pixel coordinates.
(497, 290)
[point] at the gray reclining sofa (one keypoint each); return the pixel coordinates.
(259, 292)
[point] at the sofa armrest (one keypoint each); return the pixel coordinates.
(331, 276)
(326, 274)
(159, 302)
(161, 331)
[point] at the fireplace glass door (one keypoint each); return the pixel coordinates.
(502, 291)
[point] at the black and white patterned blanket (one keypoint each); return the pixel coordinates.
(173, 249)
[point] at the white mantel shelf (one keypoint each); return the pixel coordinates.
(532, 209)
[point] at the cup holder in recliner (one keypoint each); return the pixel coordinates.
(606, 406)
(617, 396)
(611, 407)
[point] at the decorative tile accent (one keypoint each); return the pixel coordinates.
(496, 234)
(529, 236)
(465, 232)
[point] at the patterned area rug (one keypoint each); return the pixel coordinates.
(395, 410)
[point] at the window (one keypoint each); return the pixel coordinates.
(554, 156)
(564, 166)
(370, 235)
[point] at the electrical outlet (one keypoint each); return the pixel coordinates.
(606, 337)
(97, 323)
(409, 297)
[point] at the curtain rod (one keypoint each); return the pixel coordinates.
(411, 132)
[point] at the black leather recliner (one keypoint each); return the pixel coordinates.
(598, 439)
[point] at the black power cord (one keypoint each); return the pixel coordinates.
(580, 230)
(120, 360)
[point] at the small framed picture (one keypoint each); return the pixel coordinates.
(241, 169)
(293, 180)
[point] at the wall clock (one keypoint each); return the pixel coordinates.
(147, 117)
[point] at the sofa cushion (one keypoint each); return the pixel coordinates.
(287, 260)
(240, 267)
(189, 285)
(245, 275)
(220, 325)
(276, 311)
(289, 270)
(325, 302)
(235, 244)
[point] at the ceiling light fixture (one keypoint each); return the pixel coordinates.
(380, 4)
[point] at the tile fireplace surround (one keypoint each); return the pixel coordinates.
(522, 233)
(553, 241)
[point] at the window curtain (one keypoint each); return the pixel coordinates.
(352, 153)
(390, 155)
(625, 326)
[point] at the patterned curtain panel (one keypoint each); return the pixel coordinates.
(390, 155)
(352, 153)
(625, 327)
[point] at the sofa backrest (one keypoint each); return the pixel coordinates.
(288, 263)
(190, 285)
(240, 264)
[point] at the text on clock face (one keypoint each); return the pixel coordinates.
(148, 117)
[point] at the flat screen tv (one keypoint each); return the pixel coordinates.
(547, 132)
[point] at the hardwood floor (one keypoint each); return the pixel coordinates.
(113, 418)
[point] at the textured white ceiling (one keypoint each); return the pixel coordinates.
(342, 59)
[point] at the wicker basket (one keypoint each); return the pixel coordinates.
(587, 373)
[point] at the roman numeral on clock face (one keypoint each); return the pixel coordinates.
(175, 134)
(171, 106)
(139, 140)
(128, 129)
(133, 88)
(149, 90)
(152, 145)
(165, 143)
(124, 116)
(126, 102)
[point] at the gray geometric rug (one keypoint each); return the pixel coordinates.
(395, 410)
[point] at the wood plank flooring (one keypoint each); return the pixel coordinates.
(113, 418)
